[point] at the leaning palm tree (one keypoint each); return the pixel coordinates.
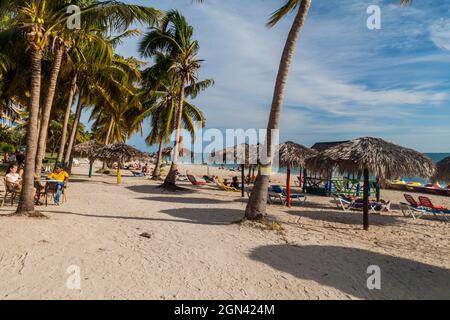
(256, 207)
(174, 37)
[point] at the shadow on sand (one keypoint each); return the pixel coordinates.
(154, 189)
(345, 269)
(211, 216)
(184, 200)
(208, 216)
(349, 218)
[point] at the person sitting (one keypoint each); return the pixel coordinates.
(59, 178)
(235, 184)
(13, 178)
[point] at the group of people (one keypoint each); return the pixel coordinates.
(56, 179)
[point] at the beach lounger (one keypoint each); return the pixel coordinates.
(425, 202)
(343, 203)
(412, 202)
(138, 174)
(194, 181)
(423, 207)
(223, 187)
(276, 193)
(301, 198)
(347, 204)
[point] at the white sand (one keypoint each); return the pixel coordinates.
(195, 252)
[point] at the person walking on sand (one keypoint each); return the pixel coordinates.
(59, 178)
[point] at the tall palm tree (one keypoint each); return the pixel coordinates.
(162, 113)
(256, 207)
(174, 37)
(37, 20)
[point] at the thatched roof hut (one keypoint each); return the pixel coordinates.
(443, 170)
(321, 146)
(372, 156)
(239, 154)
(120, 152)
(88, 149)
(292, 154)
(383, 159)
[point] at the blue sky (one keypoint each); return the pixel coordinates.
(346, 81)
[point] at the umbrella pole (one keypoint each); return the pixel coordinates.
(119, 176)
(288, 186)
(300, 178)
(91, 165)
(243, 180)
(366, 200)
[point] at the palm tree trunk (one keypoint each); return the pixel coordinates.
(108, 136)
(157, 171)
(256, 207)
(48, 103)
(170, 182)
(73, 134)
(62, 144)
(26, 202)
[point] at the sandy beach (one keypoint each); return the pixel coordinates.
(194, 249)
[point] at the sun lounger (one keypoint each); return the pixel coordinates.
(194, 181)
(423, 207)
(346, 204)
(425, 202)
(222, 186)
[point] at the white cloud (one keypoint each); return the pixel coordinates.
(440, 34)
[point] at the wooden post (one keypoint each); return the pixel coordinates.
(243, 181)
(366, 200)
(288, 187)
(91, 165)
(119, 176)
(300, 178)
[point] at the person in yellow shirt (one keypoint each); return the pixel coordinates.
(58, 177)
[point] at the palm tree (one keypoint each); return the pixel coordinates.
(174, 37)
(256, 207)
(162, 120)
(64, 39)
(37, 21)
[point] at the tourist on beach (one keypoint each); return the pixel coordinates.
(59, 178)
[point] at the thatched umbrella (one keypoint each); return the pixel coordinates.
(443, 170)
(120, 153)
(290, 155)
(88, 150)
(242, 154)
(380, 158)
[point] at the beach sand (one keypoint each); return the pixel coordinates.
(193, 248)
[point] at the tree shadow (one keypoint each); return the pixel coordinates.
(154, 189)
(207, 216)
(211, 216)
(345, 269)
(184, 200)
(349, 218)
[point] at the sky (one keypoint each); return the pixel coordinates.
(346, 81)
